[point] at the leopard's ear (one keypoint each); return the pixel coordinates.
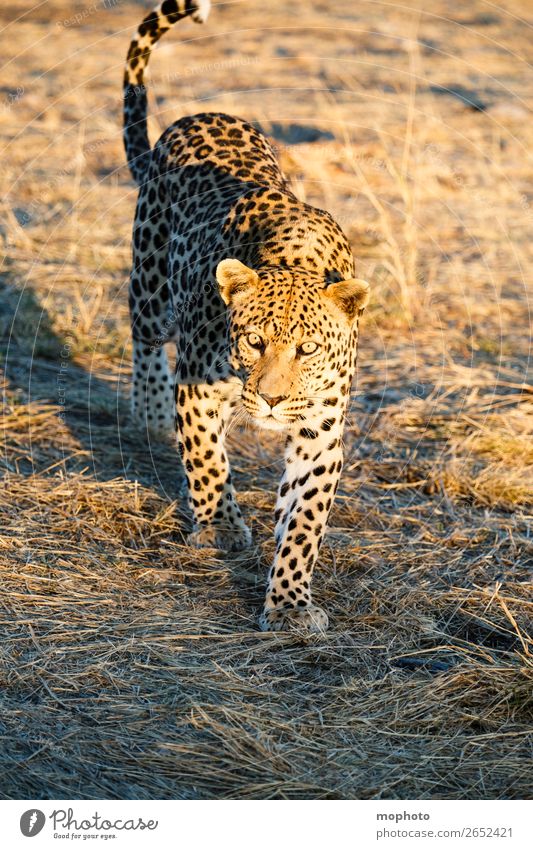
(351, 296)
(234, 277)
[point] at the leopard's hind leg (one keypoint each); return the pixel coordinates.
(153, 405)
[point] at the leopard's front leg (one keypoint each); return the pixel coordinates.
(203, 411)
(306, 493)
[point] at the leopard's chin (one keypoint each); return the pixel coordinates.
(270, 423)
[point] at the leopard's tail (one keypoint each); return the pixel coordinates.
(135, 102)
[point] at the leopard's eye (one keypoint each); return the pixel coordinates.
(255, 341)
(307, 348)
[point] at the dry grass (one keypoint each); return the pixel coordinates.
(131, 665)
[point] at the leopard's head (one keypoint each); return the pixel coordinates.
(292, 338)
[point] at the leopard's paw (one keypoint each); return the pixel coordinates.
(309, 620)
(227, 539)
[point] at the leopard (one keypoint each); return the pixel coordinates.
(256, 289)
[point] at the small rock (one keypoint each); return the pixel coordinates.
(466, 95)
(295, 133)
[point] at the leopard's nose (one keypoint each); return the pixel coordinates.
(273, 400)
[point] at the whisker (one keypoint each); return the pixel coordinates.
(239, 416)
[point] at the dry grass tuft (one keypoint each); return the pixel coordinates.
(131, 666)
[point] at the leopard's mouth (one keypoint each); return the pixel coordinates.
(274, 418)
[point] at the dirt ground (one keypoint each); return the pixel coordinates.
(131, 665)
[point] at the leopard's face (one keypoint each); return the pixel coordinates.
(292, 340)
(288, 365)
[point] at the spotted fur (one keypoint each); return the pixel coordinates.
(256, 290)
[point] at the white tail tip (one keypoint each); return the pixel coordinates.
(201, 13)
